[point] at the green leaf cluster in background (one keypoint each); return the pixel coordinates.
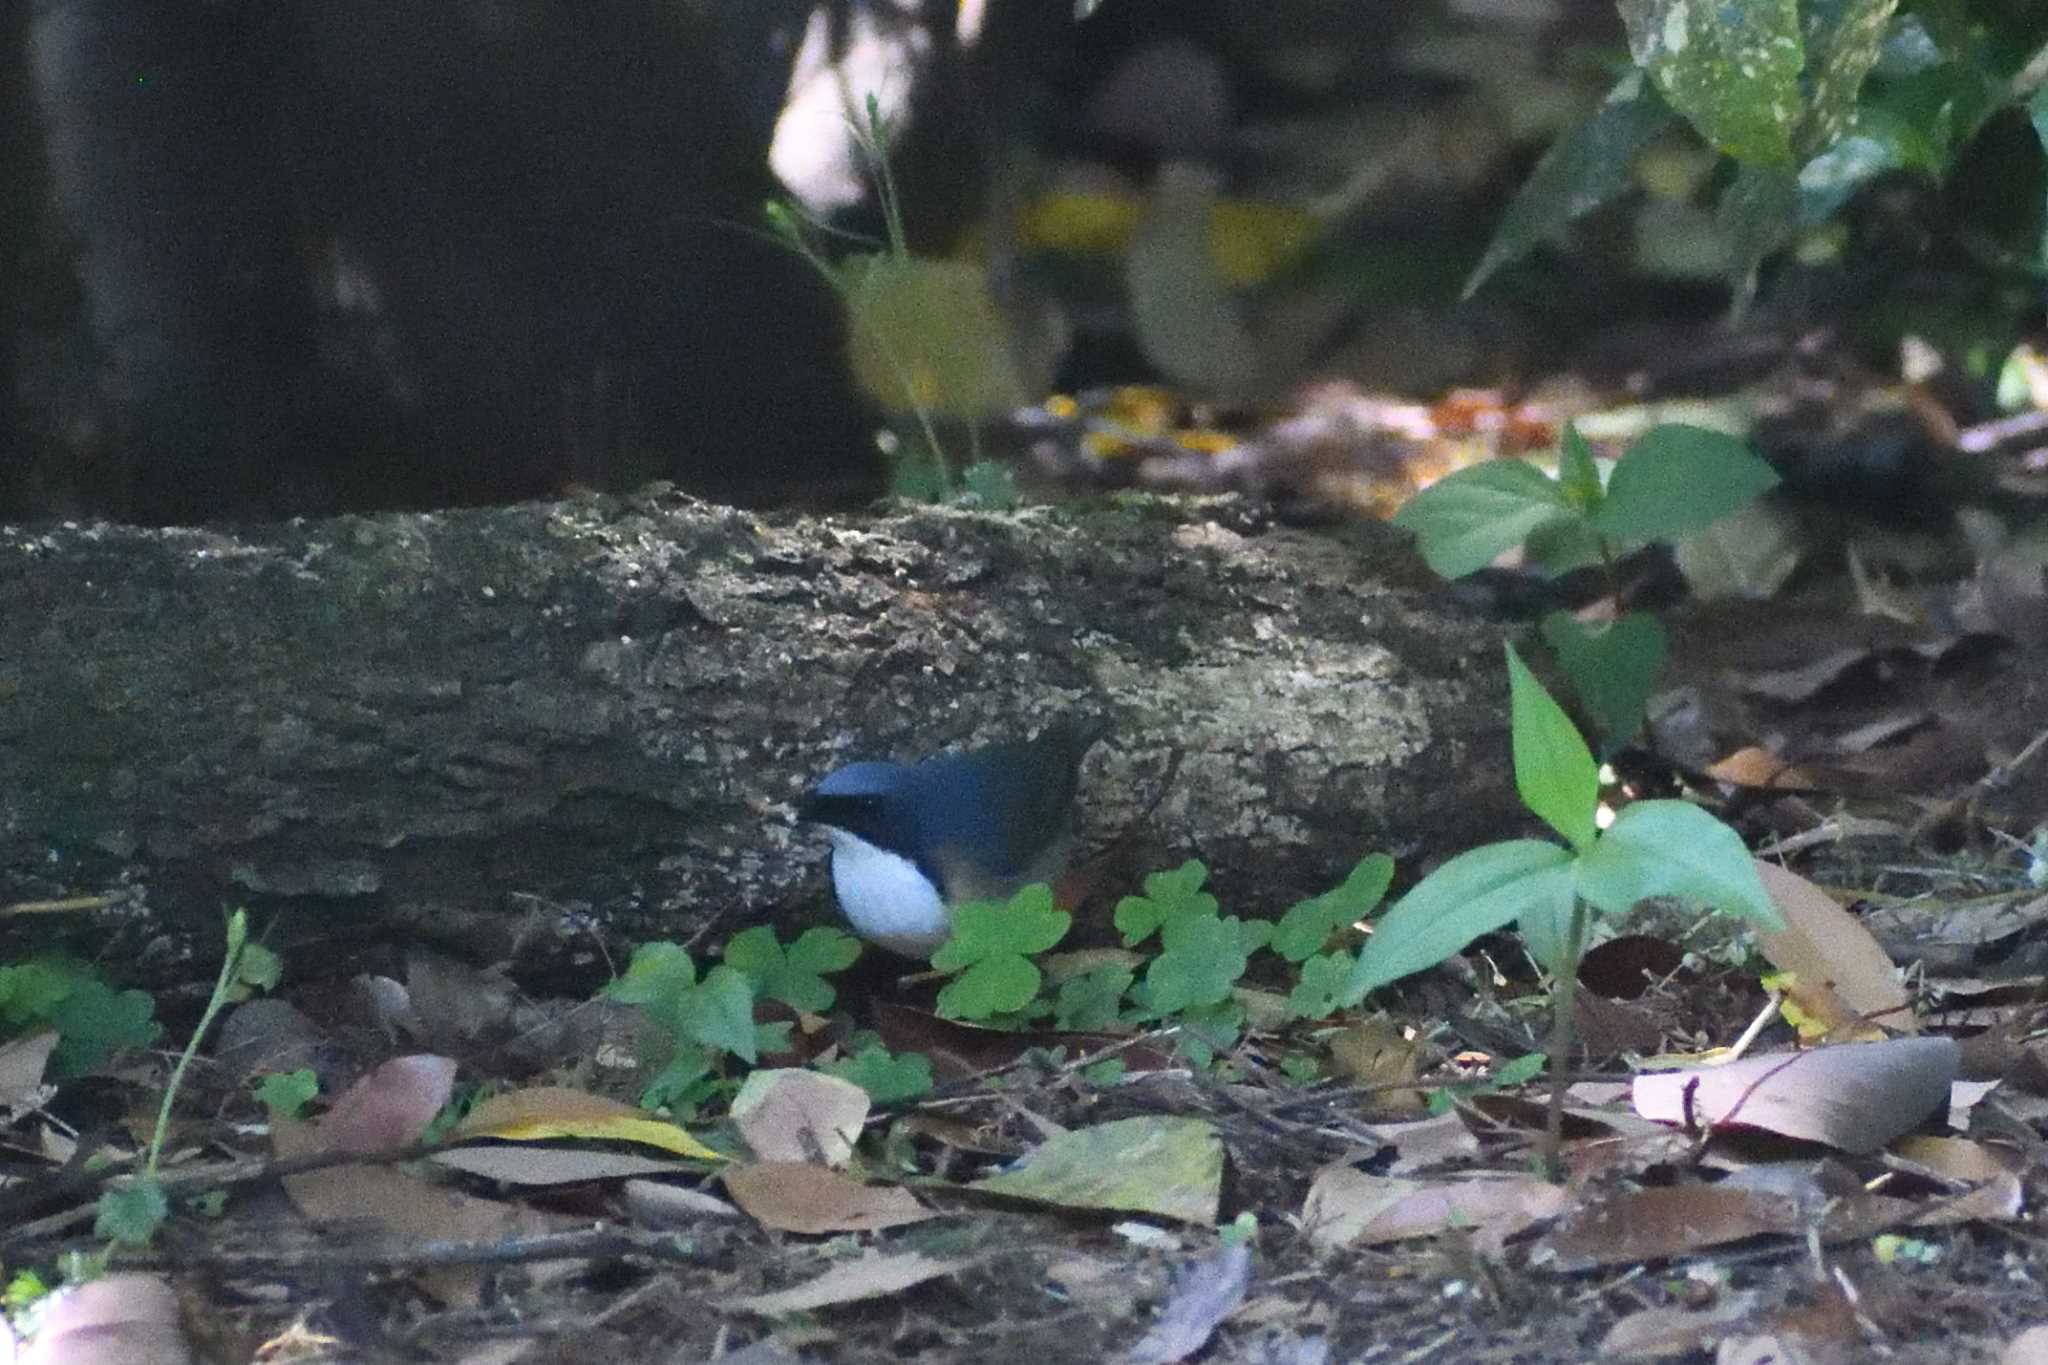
(1674, 482)
(696, 1020)
(1809, 99)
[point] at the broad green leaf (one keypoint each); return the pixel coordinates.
(1027, 924)
(1673, 848)
(1554, 770)
(1612, 666)
(288, 1093)
(720, 1013)
(1843, 41)
(925, 336)
(1472, 894)
(2037, 112)
(1679, 479)
(1207, 1030)
(1585, 168)
(1304, 930)
(1560, 546)
(131, 1213)
(793, 975)
(1546, 925)
(886, 1078)
(1163, 1166)
(1731, 69)
(1464, 522)
(1201, 959)
(1323, 987)
(994, 985)
(1578, 476)
(94, 1022)
(656, 971)
(1092, 1000)
(1168, 896)
(1748, 553)
(1756, 217)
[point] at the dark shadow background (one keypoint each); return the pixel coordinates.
(281, 256)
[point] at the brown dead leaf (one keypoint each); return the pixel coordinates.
(1428, 1142)
(871, 1277)
(1347, 1207)
(1658, 1333)
(1841, 978)
(1762, 770)
(1660, 1222)
(1855, 1096)
(795, 1196)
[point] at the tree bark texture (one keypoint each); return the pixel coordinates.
(600, 713)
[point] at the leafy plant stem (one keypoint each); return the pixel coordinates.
(1564, 1002)
(230, 966)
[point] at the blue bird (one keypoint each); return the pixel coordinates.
(912, 840)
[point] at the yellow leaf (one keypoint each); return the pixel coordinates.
(559, 1112)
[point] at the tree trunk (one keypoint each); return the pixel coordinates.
(603, 710)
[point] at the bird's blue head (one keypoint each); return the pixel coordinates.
(909, 841)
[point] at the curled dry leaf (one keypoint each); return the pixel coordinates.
(790, 1115)
(1855, 1097)
(1841, 978)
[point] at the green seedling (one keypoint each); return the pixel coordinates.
(1547, 890)
(131, 1212)
(1674, 482)
(699, 1021)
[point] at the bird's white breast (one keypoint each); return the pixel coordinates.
(885, 897)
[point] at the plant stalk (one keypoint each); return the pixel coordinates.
(1564, 1000)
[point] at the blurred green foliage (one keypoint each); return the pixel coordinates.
(1807, 101)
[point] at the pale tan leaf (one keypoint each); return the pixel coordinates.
(1347, 1207)
(795, 1196)
(549, 1165)
(871, 1277)
(797, 1115)
(1842, 977)
(1855, 1096)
